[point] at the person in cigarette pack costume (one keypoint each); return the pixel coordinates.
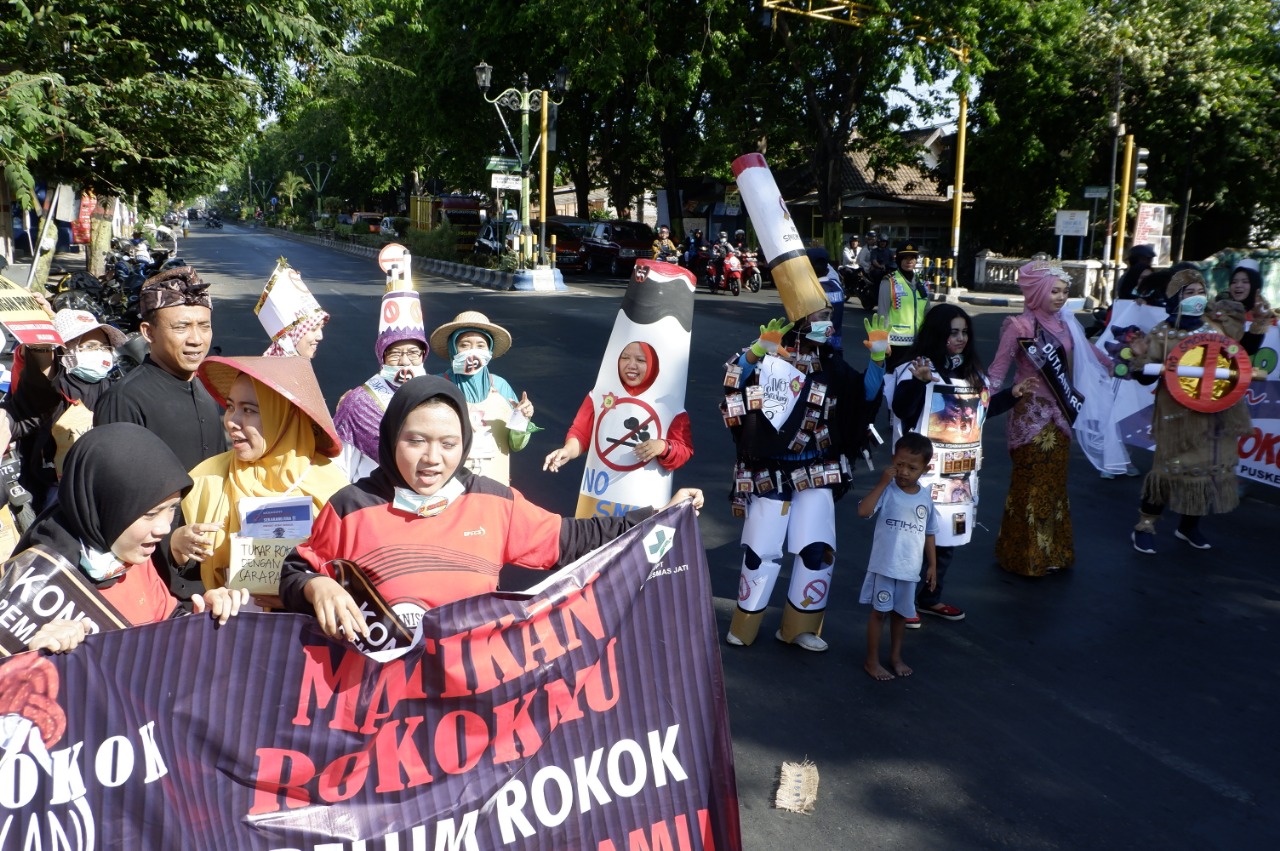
(797, 412)
(401, 349)
(290, 314)
(632, 426)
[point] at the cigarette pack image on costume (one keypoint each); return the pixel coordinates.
(953, 416)
(400, 321)
(287, 310)
(797, 411)
(780, 243)
(618, 416)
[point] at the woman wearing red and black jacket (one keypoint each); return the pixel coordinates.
(424, 529)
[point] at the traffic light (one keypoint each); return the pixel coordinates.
(1140, 169)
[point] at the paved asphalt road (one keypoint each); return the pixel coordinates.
(1127, 703)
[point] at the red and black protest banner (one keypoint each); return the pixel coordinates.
(588, 715)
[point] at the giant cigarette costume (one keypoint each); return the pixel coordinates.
(658, 311)
(779, 242)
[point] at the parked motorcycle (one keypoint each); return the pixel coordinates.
(752, 278)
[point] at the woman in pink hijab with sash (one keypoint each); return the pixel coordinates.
(1035, 534)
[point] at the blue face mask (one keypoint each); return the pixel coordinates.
(100, 566)
(820, 331)
(1193, 305)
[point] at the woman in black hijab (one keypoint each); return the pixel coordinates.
(120, 488)
(410, 527)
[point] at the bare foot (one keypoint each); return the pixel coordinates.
(877, 671)
(901, 669)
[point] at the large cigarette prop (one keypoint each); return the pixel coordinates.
(657, 310)
(1194, 372)
(788, 264)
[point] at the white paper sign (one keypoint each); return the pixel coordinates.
(256, 562)
(782, 383)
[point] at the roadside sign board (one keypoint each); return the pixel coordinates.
(502, 164)
(1071, 223)
(505, 181)
(1095, 192)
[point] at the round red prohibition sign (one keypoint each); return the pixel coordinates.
(622, 427)
(1210, 351)
(391, 254)
(390, 312)
(815, 592)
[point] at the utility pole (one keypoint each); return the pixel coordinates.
(1117, 130)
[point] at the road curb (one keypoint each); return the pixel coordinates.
(462, 272)
(992, 301)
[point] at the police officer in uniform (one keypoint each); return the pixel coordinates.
(903, 302)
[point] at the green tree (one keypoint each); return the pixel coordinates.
(291, 185)
(140, 96)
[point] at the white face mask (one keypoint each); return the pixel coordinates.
(819, 331)
(1193, 305)
(460, 360)
(93, 366)
(397, 375)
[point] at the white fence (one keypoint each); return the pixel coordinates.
(994, 273)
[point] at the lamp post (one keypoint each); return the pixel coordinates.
(318, 173)
(526, 101)
(262, 186)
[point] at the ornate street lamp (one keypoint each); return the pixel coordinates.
(318, 173)
(525, 101)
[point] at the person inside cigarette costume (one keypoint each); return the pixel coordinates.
(797, 412)
(401, 349)
(290, 314)
(1193, 470)
(632, 426)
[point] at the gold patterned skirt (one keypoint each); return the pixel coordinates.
(1035, 533)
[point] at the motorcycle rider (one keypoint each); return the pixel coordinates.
(664, 248)
(881, 258)
(740, 241)
(140, 249)
(692, 243)
(722, 249)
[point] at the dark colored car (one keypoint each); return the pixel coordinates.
(569, 255)
(616, 246)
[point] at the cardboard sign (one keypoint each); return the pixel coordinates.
(23, 317)
(255, 563)
(38, 586)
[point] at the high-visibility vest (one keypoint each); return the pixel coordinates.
(907, 305)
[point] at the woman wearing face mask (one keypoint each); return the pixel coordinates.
(120, 489)
(50, 414)
(282, 443)
(407, 526)
(1047, 343)
(1245, 287)
(401, 349)
(471, 341)
(942, 392)
(637, 369)
(1193, 471)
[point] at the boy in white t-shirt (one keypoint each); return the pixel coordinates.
(905, 529)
